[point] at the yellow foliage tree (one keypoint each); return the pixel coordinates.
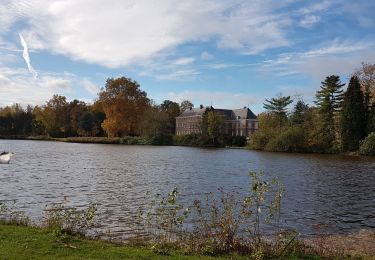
(124, 104)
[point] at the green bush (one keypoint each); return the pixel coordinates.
(290, 140)
(98, 140)
(66, 221)
(238, 141)
(258, 141)
(133, 140)
(187, 140)
(367, 146)
(10, 215)
(161, 139)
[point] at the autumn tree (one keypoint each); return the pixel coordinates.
(353, 124)
(45, 120)
(268, 129)
(59, 106)
(124, 104)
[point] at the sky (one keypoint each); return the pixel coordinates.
(225, 53)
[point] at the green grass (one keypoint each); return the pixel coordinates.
(20, 242)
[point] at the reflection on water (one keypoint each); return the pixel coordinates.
(336, 191)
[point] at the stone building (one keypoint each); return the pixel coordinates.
(237, 122)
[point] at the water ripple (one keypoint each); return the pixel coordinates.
(337, 192)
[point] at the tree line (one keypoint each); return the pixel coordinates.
(341, 120)
(121, 109)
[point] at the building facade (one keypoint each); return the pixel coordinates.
(237, 122)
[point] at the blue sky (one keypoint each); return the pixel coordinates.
(228, 53)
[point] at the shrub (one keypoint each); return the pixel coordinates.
(258, 141)
(99, 140)
(238, 141)
(367, 146)
(133, 140)
(290, 140)
(222, 223)
(9, 215)
(66, 221)
(161, 139)
(187, 140)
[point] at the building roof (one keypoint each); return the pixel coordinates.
(242, 113)
(227, 113)
(193, 112)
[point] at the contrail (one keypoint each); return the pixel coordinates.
(26, 56)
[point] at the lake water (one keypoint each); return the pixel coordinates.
(337, 192)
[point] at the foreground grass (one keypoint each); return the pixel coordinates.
(20, 242)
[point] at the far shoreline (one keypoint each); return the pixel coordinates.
(140, 141)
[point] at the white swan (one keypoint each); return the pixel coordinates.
(5, 157)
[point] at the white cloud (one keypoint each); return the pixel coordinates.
(336, 47)
(26, 56)
(206, 56)
(7, 58)
(184, 61)
(125, 32)
(336, 57)
(218, 66)
(178, 75)
(318, 6)
(8, 15)
(8, 46)
(309, 20)
(90, 87)
(17, 86)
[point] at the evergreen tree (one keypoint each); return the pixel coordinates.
(328, 100)
(299, 110)
(371, 119)
(278, 106)
(353, 121)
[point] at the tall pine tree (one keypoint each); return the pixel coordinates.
(328, 100)
(278, 106)
(353, 116)
(299, 111)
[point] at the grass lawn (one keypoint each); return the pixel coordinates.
(20, 242)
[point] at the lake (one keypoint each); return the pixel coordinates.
(337, 192)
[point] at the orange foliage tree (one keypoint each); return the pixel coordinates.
(124, 104)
